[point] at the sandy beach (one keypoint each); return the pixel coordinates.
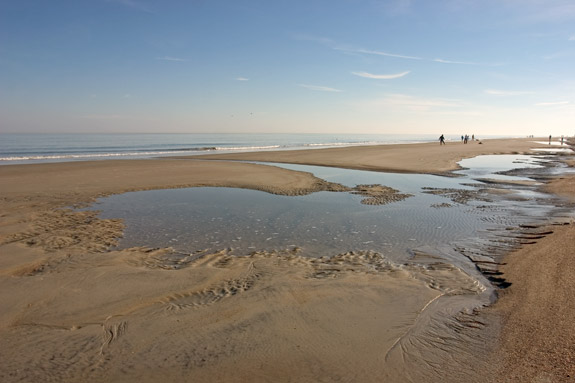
(427, 158)
(76, 309)
(537, 344)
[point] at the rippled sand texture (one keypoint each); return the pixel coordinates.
(132, 316)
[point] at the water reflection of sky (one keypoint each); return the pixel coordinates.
(325, 223)
(488, 166)
(406, 183)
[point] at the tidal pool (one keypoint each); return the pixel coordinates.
(453, 211)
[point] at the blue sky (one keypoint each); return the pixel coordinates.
(317, 66)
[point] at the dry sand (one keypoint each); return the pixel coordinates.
(422, 158)
(72, 310)
(538, 341)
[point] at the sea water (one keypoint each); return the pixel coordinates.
(39, 148)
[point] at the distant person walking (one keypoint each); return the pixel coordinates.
(441, 140)
(549, 139)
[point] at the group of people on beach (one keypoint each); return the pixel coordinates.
(464, 139)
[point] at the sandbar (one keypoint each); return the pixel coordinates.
(424, 158)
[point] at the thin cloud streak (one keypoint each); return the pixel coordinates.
(406, 100)
(552, 103)
(443, 61)
(403, 102)
(132, 4)
(242, 79)
(320, 40)
(319, 88)
(381, 76)
(169, 58)
(544, 11)
(351, 50)
(105, 117)
(455, 62)
(557, 55)
(498, 92)
(379, 53)
(407, 57)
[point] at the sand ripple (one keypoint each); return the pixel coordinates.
(269, 311)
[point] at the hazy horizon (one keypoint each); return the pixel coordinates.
(494, 67)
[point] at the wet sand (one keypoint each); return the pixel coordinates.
(538, 338)
(73, 310)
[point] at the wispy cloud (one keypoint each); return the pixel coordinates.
(443, 61)
(407, 57)
(170, 58)
(557, 55)
(417, 102)
(411, 103)
(105, 117)
(242, 79)
(379, 53)
(316, 39)
(354, 50)
(397, 7)
(556, 103)
(319, 88)
(137, 5)
(381, 76)
(455, 62)
(349, 49)
(499, 92)
(548, 11)
(572, 38)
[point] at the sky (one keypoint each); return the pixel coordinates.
(483, 67)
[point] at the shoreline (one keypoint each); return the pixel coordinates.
(40, 241)
(425, 158)
(141, 146)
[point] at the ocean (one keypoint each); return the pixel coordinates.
(39, 148)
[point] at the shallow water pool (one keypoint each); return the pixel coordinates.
(459, 211)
